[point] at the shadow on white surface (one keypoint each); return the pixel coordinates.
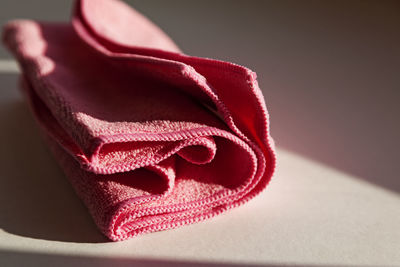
(38, 205)
(36, 199)
(14, 258)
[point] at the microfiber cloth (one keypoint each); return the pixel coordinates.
(149, 137)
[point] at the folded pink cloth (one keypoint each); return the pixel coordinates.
(150, 138)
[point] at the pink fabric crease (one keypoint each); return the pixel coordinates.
(150, 138)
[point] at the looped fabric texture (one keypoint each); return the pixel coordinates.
(150, 138)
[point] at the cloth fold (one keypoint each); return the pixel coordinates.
(150, 138)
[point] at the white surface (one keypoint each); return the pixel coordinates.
(329, 71)
(310, 214)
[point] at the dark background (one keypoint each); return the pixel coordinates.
(329, 70)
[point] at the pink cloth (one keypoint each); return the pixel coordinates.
(150, 138)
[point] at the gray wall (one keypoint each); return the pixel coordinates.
(328, 69)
